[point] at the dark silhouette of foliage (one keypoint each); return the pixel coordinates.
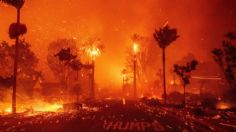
(27, 70)
(61, 54)
(15, 3)
(64, 59)
(225, 57)
(75, 64)
(184, 72)
(27, 58)
(6, 81)
(16, 30)
(164, 37)
(65, 55)
(231, 35)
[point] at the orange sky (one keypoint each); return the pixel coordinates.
(201, 25)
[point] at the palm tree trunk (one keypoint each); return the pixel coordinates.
(164, 73)
(184, 95)
(15, 67)
(68, 83)
(92, 82)
(135, 76)
(201, 88)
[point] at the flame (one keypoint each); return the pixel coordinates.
(135, 48)
(8, 110)
(5, 108)
(34, 106)
(154, 96)
(142, 95)
(47, 107)
(123, 101)
(93, 52)
(223, 105)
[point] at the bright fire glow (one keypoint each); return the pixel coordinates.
(93, 52)
(223, 105)
(142, 95)
(35, 106)
(47, 107)
(7, 110)
(123, 101)
(135, 48)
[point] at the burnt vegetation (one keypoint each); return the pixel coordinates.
(225, 57)
(184, 72)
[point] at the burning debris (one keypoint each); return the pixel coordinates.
(32, 107)
(224, 105)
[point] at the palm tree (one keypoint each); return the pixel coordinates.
(65, 55)
(184, 72)
(16, 29)
(164, 37)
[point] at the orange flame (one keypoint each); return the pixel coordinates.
(223, 105)
(35, 106)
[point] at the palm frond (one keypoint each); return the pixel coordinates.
(16, 30)
(164, 36)
(16, 3)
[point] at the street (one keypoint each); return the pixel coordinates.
(112, 115)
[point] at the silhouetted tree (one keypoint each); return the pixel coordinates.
(28, 74)
(16, 3)
(65, 55)
(225, 57)
(185, 59)
(164, 37)
(65, 62)
(70, 59)
(184, 73)
(15, 30)
(60, 52)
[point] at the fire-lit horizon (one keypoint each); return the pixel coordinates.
(201, 25)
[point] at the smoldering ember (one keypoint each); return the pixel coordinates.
(117, 65)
